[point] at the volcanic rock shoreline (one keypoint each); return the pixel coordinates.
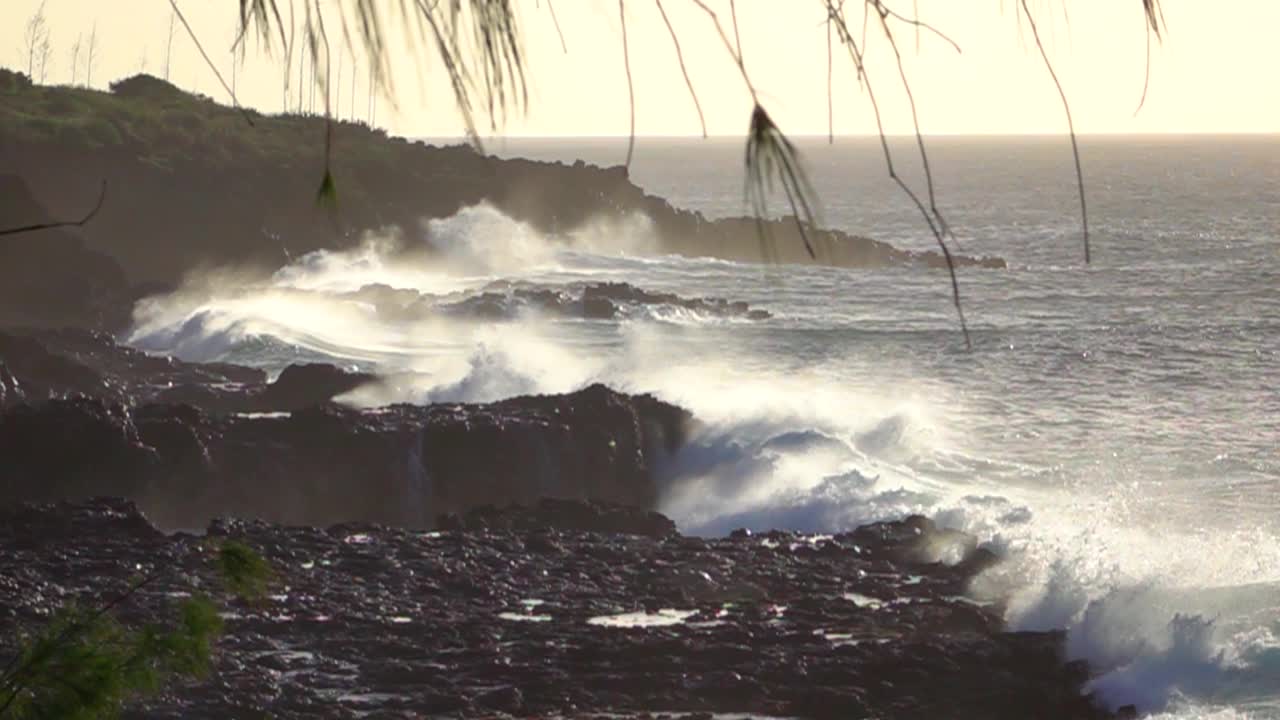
(472, 560)
(563, 609)
(81, 415)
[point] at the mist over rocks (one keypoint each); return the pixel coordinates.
(592, 301)
(85, 416)
(556, 620)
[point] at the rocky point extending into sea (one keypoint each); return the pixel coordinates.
(473, 560)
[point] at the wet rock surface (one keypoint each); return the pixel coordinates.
(371, 621)
(85, 416)
(595, 301)
(402, 464)
(43, 363)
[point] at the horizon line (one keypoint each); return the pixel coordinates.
(874, 136)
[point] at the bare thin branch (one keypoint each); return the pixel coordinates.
(683, 69)
(831, 124)
(733, 52)
(855, 54)
(916, 22)
(102, 194)
(554, 21)
(235, 102)
(915, 120)
(737, 38)
(631, 90)
(1075, 146)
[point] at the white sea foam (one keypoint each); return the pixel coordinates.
(1175, 607)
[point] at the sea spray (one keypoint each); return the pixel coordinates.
(854, 403)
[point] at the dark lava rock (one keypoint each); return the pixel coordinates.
(11, 392)
(40, 363)
(590, 301)
(46, 363)
(370, 621)
(566, 515)
(301, 386)
(402, 464)
(71, 449)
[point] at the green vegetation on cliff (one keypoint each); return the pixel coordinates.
(194, 184)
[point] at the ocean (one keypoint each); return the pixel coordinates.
(1114, 431)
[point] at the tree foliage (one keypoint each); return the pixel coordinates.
(85, 664)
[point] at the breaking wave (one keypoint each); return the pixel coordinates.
(793, 434)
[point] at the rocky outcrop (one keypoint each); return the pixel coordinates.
(402, 464)
(40, 364)
(301, 386)
(591, 301)
(84, 416)
(44, 363)
(570, 515)
(552, 621)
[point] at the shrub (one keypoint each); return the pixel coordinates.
(146, 86)
(85, 664)
(13, 82)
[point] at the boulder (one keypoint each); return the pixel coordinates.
(301, 386)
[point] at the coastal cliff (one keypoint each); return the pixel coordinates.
(194, 184)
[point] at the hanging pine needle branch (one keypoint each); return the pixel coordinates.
(1154, 18)
(770, 157)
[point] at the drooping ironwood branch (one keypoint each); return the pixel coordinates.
(564, 47)
(836, 14)
(102, 196)
(235, 102)
(631, 88)
(884, 14)
(831, 123)
(885, 11)
(1071, 127)
(684, 70)
(1154, 18)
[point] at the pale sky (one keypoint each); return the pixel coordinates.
(1214, 73)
